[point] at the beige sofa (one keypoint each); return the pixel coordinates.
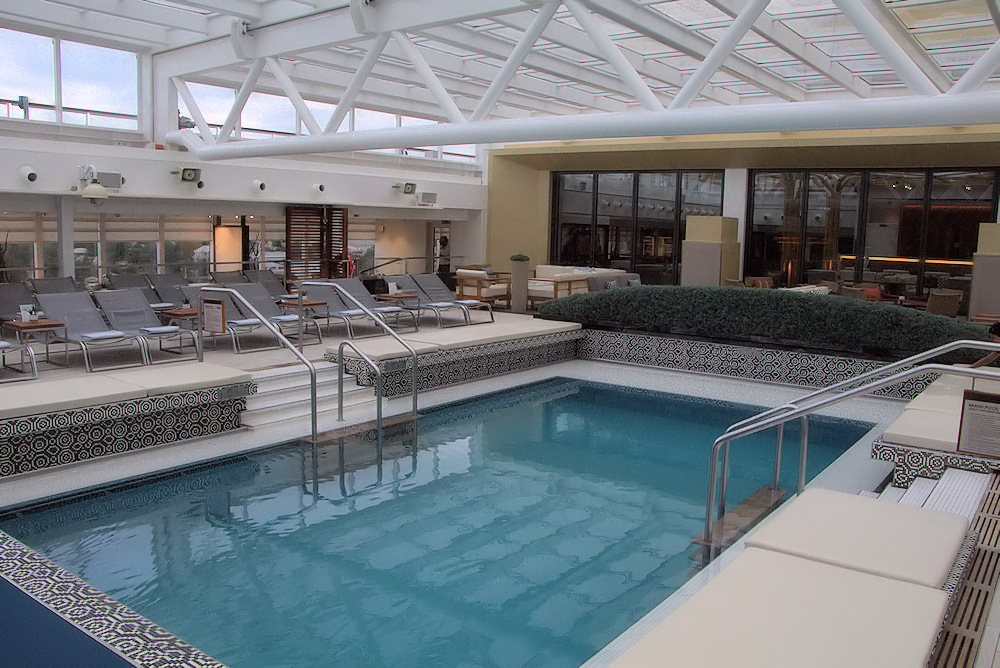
(552, 281)
(482, 285)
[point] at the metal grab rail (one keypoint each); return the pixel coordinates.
(274, 330)
(381, 324)
(722, 443)
(882, 370)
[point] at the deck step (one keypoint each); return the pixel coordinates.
(743, 517)
(918, 491)
(958, 492)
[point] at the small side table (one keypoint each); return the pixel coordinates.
(42, 330)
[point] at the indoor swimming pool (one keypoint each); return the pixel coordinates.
(528, 527)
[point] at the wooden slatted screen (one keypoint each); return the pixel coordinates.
(315, 242)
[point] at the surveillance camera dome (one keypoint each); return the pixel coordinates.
(259, 185)
(201, 184)
(29, 174)
(319, 187)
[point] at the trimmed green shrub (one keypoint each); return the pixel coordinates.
(826, 322)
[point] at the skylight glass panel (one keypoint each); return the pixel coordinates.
(176, 5)
(574, 56)
(816, 84)
(962, 37)
(960, 57)
(863, 65)
(844, 47)
(680, 62)
(749, 39)
(506, 33)
(691, 12)
(822, 26)
(886, 79)
(779, 8)
(951, 12)
(764, 55)
(645, 46)
(792, 71)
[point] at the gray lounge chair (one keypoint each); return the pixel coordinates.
(287, 323)
(141, 281)
(12, 296)
(228, 278)
(269, 280)
(435, 289)
(53, 285)
(85, 326)
(424, 302)
(238, 325)
(128, 311)
(347, 311)
(9, 347)
(167, 287)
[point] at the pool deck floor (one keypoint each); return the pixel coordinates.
(855, 471)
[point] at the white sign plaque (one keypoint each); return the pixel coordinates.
(979, 433)
(214, 316)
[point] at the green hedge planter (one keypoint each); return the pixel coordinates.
(822, 322)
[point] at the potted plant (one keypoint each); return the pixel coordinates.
(519, 283)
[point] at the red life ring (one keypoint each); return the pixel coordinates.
(350, 266)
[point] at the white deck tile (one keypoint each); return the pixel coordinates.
(959, 492)
(891, 493)
(918, 492)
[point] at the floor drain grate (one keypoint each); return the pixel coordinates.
(959, 643)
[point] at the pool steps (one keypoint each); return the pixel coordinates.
(283, 394)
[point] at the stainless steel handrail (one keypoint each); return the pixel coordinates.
(723, 442)
(274, 330)
(386, 328)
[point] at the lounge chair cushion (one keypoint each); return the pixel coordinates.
(891, 540)
(925, 429)
(97, 336)
(164, 329)
(5, 344)
(769, 609)
(244, 322)
(291, 317)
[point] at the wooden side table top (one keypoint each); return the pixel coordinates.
(308, 303)
(395, 297)
(180, 312)
(29, 325)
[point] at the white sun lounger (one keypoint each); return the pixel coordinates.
(768, 609)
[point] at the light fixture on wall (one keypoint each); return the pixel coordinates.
(258, 185)
(93, 192)
(29, 174)
(405, 188)
(189, 175)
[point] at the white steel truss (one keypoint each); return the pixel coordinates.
(516, 70)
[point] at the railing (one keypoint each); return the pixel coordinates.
(375, 367)
(777, 417)
(274, 330)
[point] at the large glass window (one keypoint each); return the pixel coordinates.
(894, 228)
(831, 223)
(776, 230)
(633, 221)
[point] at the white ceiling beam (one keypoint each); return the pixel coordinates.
(878, 113)
(494, 47)
(994, 7)
(424, 71)
(357, 81)
(571, 38)
(793, 44)
(612, 55)
(292, 93)
(158, 15)
(193, 109)
(663, 30)
(977, 75)
(63, 21)
(514, 61)
(722, 50)
(403, 16)
(241, 99)
(241, 9)
(909, 44)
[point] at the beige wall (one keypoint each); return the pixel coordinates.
(518, 201)
(520, 176)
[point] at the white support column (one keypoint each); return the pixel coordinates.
(195, 111)
(294, 97)
(56, 79)
(360, 76)
(38, 252)
(514, 60)
(610, 52)
(977, 75)
(144, 102)
(722, 50)
(434, 84)
(913, 77)
(64, 235)
(164, 103)
(240, 101)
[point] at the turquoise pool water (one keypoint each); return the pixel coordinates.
(527, 528)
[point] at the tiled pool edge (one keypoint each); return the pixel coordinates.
(790, 367)
(104, 619)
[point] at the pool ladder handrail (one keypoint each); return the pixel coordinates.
(375, 367)
(274, 330)
(882, 370)
(777, 417)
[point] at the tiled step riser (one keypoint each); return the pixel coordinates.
(296, 395)
(299, 410)
(301, 379)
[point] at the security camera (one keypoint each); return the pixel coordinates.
(259, 185)
(29, 174)
(201, 184)
(318, 187)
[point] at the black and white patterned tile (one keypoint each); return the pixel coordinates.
(911, 462)
(129, 634)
